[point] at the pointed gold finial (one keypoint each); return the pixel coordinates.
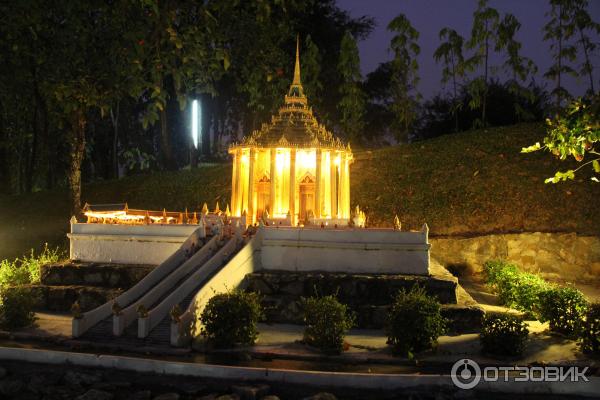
(297, 66)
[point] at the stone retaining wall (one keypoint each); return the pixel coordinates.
(368, 296)
(554, 255)
(93, 274)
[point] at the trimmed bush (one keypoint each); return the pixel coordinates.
(414, 322)
(16, 308)
(230, 319)
(590, 332)
(503, 334)
(564, 308)
(326, 323)
(515, 288)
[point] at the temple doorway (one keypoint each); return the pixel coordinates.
(263, 196)
(307, 198)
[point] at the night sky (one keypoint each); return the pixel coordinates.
(429, 16)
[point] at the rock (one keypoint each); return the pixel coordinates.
(270, 397)
(39, 383)
(167, 396)
(192, 389)
(81, 378)
(10, 386)
(321, 396)
(142, 395)
(2, 372)
(95, 394)
(211, 396)
(228, 397)
(250, 392)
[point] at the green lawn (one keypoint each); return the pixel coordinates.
(464, 184)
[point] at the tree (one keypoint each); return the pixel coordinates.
(311, 71)
(585, 24)
(483, 35)
(558, 31)
(352, 102)
(516, 65)
(574, 132)
(451, 52)
(405, 76)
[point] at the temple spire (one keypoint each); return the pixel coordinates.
(297, 66)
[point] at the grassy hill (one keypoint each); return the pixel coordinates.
(470, 183)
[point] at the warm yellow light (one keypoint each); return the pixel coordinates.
(279, 161)
(337, 160)
(307, 159)
(244, 158)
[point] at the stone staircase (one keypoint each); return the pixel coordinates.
(91, 284)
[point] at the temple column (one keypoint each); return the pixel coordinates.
(239, 192)
(251, 185)
(293, 185)
(347, 205)
(334, 196)
(272, 178)
(341, 188)
(234, 179)
(318, 186)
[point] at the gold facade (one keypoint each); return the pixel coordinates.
(292, 167)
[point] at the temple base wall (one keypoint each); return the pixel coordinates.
(372, 251)
(126, 244)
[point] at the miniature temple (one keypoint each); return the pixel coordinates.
(293, 169)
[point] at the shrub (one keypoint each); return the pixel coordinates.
(414, 321)
(503, 334)
(26, 270)
(230, 318)
(326, 323)
(12, 274)
(564, 308)
(16, 308)
(590, 332)
(515, 288)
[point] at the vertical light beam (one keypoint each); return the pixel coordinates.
(195, 121)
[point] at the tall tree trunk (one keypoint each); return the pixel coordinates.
(4, 169)
(485, 78)
(77, 142)
(588, 65)
(205, 125)
(455, 99)
(559, 72)
(32, 159)
(165, 140)
(114, 117)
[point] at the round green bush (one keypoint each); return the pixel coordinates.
(326, 323)
(564, 308)
(590, 332)
(16, 308)
(414, 322)
(515, 288)
(503, 334)
(230, 319)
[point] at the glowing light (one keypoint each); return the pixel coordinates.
(196, 118)
(306, 159)
(244, 158)
(337, 160)
(279, 161)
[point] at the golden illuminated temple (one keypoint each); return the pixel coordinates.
(293, 168)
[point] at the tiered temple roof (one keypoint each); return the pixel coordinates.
(294, 125)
